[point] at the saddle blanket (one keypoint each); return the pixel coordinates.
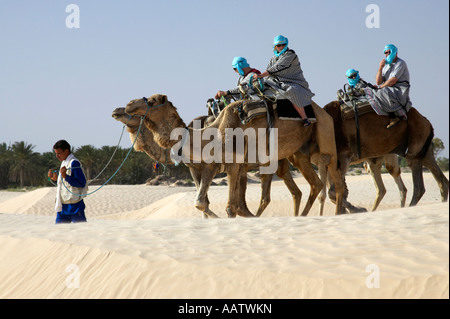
(249, 110)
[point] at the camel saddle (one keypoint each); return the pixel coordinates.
(348, 103)
(248, 110)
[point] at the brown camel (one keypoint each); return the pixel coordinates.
(294, 141)
(146, 143)
(410, 139)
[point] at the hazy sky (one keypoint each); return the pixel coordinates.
(58, 82)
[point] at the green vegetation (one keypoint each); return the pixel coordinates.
(21, 167)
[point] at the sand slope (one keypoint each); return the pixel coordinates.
(149, 242)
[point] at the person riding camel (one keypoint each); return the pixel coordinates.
(285, 66)
(391, 96)
(240, 66)
(356, 82)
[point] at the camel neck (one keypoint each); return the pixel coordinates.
(163, 129)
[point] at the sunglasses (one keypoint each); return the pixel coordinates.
(353, 76)
(280, 45)
(387, 52)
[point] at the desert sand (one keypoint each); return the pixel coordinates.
(150, 242)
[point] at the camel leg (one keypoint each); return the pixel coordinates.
(205, 176)
(375, 171)
(417, 174)
(323, 193)
(197, 177)
(243, 210)
(339, 182)
(302, 162)
(266, 182)
(237, 185)
(430, 162)
(284, 173)
(393, 168)
(345, 164)
(232, 172)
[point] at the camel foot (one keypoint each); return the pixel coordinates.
(200, 205)
(230, 213)
(353, 210)
(209, 214)
(343, 211)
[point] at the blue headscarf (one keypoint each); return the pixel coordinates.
(279, 39)
(352, 82)
(240, 63)
(390, 58)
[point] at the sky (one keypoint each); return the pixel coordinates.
(58, 81)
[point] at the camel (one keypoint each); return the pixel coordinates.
(294, 141)
(146, 143)
(410, 139)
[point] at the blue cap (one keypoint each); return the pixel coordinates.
(351, 72)
(279, 39)
(390, 58)
(240, 63)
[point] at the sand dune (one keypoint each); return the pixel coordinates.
(150, 242)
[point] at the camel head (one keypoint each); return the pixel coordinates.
(145, 141)
(120, 115)
(154, 104)
(161, 117)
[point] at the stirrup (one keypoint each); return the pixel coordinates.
(306, 122)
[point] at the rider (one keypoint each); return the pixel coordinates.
(391, 97)
(285, 66)
(241, 66)
(355, 81)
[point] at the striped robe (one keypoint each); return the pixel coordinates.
(394, 98)
(287, 70)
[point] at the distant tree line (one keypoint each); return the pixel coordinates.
(21, 166)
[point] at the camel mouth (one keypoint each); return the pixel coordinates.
(118, 112)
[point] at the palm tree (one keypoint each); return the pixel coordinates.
(88, 155)
(5, 162)
(24, 163)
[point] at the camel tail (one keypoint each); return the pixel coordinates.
(427, 144)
